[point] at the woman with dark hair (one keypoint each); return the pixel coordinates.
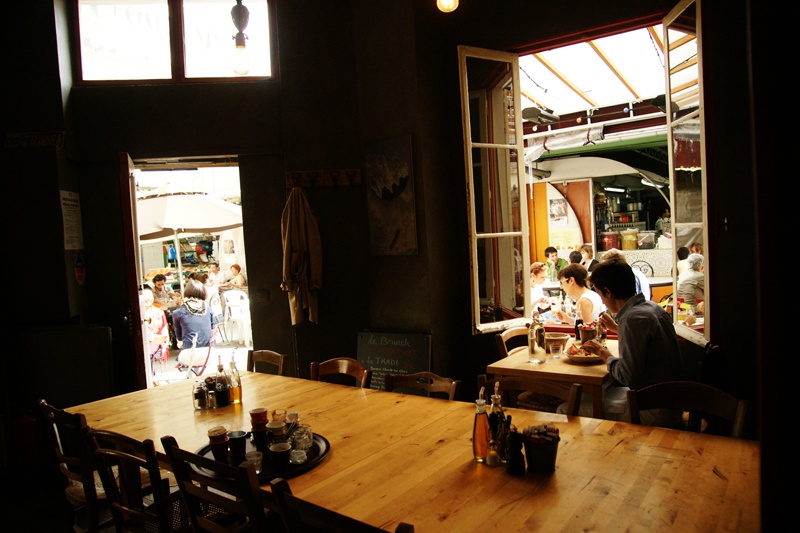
(588, 304)
(193, 323)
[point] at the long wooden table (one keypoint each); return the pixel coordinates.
(592, 377)
(397, 457)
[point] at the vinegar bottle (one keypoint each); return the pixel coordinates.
(480, 430)
(222, 385)
(234, 381)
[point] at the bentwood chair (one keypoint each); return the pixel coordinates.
(709, 409)
(511, 339)
(257, 359)
(563, 392)
(138, 490)
(301, 516)
(434, 385)
(84, 490)
(221, 498)
(335, 369)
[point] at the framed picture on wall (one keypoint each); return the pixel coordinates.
(390, 197)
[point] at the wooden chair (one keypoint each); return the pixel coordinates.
(511, 338)
(342, 366)
(722, 413)
(434, 385)
(137, 489)
(301, 516)
(221, 498)
(564, 392)
(84, 490)
(261, 357)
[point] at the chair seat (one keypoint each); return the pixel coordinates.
(538, 401)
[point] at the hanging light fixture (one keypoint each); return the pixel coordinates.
(447, 6)
(241, 16)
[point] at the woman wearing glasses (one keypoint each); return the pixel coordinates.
(588, 303)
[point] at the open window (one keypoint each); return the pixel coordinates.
(503, 208)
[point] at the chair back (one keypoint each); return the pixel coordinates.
(67, 436)
(257, 359)
(722, 413)
(136, 487)
(511, 338)
(220, 498)
(509, 386)
(342, 366)
(301, 516)
(434, 385)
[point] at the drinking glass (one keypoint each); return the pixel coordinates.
(556, 349)
(302, 439)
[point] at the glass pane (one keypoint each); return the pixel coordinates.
(124, 40)
(490, 108)
(496, 191)
(209, 34)
(688, 174)
(500, 271)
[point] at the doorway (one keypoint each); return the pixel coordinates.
(195, 234)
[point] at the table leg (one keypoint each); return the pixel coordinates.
(597, 401)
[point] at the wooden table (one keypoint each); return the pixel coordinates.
(398, 457)
(592, 377)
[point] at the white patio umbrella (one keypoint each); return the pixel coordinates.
(166, 212)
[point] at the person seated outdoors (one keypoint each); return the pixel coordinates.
(642, 283)
(554, 264)
(648, 350)
(588, 304)
(157, 330)
(691, 284)
(238, 281)
(193, 323)
(682, 265)
(575, 257)
(165, 297)
(215, 277)
(539, 303)
(696, 248)
(587, 257)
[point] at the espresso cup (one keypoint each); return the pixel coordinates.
(279, 455)
(238, 443)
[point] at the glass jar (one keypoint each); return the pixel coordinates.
(610, 240)
(200, 395)
(630, 239)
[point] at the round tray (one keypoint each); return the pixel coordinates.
(318, 451)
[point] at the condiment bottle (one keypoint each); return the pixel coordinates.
(499, 423)
(480, 430)
(222, 385)
(235, 381)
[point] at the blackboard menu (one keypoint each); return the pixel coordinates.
(393, 353)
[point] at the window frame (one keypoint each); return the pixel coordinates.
(177, 52)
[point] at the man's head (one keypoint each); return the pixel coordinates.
(615, 282)
(159, 280)
(695, 262)
(575, 256)
(551, 254)
(213, 267)
(683, 253)
(666, 213)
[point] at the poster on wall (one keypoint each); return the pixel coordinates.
(558, 212)
(71, 216)
(390, 197)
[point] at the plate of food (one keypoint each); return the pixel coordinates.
(580, 356)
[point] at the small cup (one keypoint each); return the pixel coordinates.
(259, 415)
(298, 457)
(238, 444)
(218, 434)
(261, 439)
(556, 350)
(279, 455)
(279, 415)
(277, 429)
(256, 458)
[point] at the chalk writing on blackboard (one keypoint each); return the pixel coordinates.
(395, 353)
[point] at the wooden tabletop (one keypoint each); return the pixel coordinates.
(516, 364)
(397, 457)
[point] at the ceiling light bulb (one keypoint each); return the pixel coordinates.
(447, 6)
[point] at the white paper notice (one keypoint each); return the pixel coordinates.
(71, 215)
